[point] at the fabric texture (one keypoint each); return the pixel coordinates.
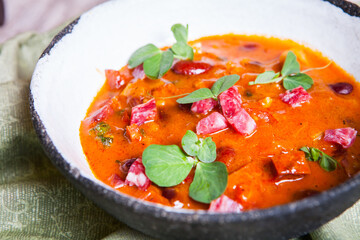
(36, 201)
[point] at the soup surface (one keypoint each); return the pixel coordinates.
(265, 166)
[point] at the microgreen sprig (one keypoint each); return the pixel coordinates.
(221, 85)
(290, 75)
(157, 62)
(326, 162)
(168, 165)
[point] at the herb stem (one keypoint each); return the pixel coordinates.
(180, 95)
(319, 68)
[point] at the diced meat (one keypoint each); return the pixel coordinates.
(133, 132)
(125, 165)
(343, 136)
(114, 79)
(191, 67)
(351, 164)
(203, 106)
(133, 101)
(233, 161)
(293, 163)
(118, 102)
(212, 123)
(138, 72)
(102, 113)
(248, 183)
(116, 181)
(237, 117)
(143, 113)
(295, 97)
(226, 155)
(136, 176)
(230, 102)
(225, 205)
(242, 122)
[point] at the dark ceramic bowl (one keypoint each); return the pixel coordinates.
(67, 77)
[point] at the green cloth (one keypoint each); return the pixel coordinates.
(36, 201)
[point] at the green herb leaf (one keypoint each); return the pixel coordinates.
(204, 149)
(152, 66)
(183, 51)
(291, 65)
(200, 94)
(290, 75)
(326, 162)
(307, 153)
(156, 62)
(143, 53)
(180, 32)
(156, 66)
(224, 83)
(167, 59)
(265, 77)
(299, 79)
(209, 182)
(166, 165)
(190, 143)
(207, 150)
(221, 85)
(315, 154)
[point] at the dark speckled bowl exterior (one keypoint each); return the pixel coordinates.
(281, 222)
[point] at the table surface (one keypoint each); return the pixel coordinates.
(40, 15)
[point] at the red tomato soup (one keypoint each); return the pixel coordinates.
(278, 143)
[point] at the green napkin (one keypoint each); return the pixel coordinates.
(36, 201)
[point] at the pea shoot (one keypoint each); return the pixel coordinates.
(326, 162)
(157, 62)
(168, 165)
(290, 75)
(221, 85)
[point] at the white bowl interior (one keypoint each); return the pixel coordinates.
(66, 81)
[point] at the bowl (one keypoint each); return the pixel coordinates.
(70, 73)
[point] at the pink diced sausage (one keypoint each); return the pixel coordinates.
(295, 97)
(114, 79)
(237, 117)
(343, 136)
(102, 113)
(230, 102)
(116, 181)
(138, 72)
(136, 176)
(212, 123)
(224, 204)
(242, 122)
(203, 106)
(143, 113)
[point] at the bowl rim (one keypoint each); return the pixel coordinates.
(170, 213)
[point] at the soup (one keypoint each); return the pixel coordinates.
(280, 134)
